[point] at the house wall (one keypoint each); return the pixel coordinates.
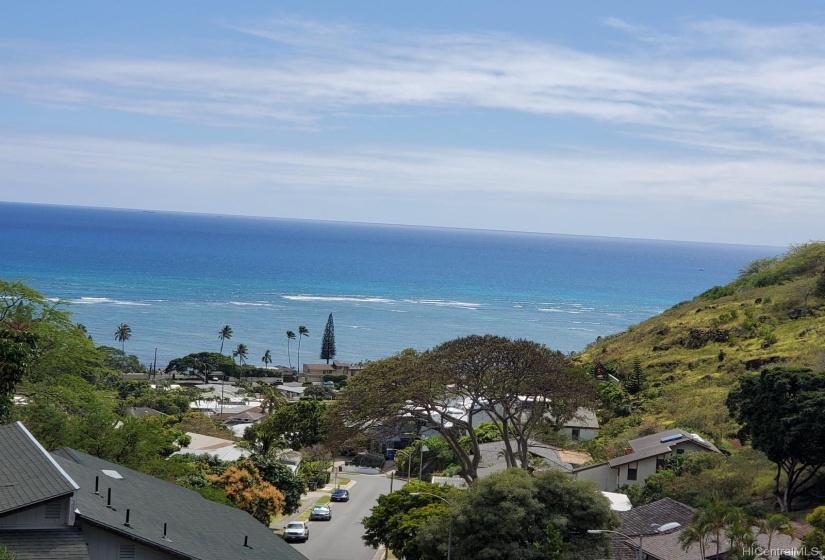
(45, 516)
(688, 446)
(644, 469)
(585, 434)
(601, 474)
(103, 545)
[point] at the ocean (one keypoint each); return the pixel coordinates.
(176, 279)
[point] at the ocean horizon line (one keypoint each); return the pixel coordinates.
(435, 228)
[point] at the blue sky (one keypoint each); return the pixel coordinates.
(700, 121)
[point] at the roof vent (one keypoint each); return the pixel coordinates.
(112, 474)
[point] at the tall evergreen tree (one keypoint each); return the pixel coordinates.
(328, 342)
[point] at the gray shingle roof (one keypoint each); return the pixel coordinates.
(638, 520)
(639, 455)
(39, 544)
(28, 475)
(641, 443)
(197, 528)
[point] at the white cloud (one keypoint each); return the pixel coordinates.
(395, 184)
(725, 120)
(722, 74)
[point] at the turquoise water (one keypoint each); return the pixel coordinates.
(176, 279)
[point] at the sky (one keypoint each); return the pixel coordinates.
(695, 121)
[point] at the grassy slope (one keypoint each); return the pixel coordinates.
(769, 313)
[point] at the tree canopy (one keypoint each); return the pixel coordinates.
(780, 411)
(520, 385)
(328, 341)
(510, 514)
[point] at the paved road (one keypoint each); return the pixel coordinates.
(340, 538)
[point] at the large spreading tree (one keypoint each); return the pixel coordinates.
(523, 386)
(780, 411)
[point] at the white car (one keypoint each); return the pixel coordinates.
(296, 531)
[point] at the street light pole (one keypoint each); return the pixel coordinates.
(450, 530)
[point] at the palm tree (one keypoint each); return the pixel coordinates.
(776, 524)
(289, 336)
(241, 352)
(302, 331)
(122, 334)
(271, 398)
(267, 359)
(225, 333)
(715, 520)
(694, 533)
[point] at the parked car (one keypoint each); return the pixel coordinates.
(340, 495)
(296, 531)
(320, 513)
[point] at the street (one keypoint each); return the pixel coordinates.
(340, 538)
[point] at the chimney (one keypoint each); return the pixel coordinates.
(628, 450)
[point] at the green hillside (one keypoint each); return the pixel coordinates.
(689, 357)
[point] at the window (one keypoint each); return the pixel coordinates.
(575, 434)
(680, 451)
(660, 463)
(632, 472)
(53, 510)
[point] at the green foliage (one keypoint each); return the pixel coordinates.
(279, 476)
(494, 372)
(510, 514)
(6, 553)
(328, 341)
(758, 266)
(634, 382)
(780, 411)
(117, 360)
(203, 363)
(819, 288)
(487, 432)
(814, 541)
(718, 292)
(398, 517)
(295, 426)
(319, 393)
(698, 479)
(168, 401)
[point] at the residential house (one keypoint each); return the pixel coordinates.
(543, 457)
(641, 525)
(37, 500)
(223, 449)
(644, 456)
(583, 426)
(292, 390)
(69, 505)
(314, 373)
